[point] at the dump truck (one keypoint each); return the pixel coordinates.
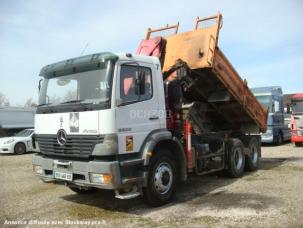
(140, 123)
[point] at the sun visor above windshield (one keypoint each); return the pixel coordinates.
(79, 64)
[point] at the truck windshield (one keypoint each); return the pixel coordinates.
(297, 106)
(90, 87)
(265, 101)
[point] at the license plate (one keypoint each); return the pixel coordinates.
(63, 176)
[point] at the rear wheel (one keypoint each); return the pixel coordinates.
(20, 148)
(82, 191)
(162, 177)
(252, 160)
(236, 158)
(298, 144)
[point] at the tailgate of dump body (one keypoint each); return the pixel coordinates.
(239, 90)
(199, 49)
(241, 110)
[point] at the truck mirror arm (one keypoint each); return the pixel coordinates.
(140, 82)
(39, 86)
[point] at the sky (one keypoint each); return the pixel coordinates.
(262, 39)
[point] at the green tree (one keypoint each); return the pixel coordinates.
(4, 101)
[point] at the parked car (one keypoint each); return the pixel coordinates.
(19, 143)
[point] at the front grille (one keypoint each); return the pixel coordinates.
(76, 145)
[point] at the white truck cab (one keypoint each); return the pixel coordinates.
(98, 119)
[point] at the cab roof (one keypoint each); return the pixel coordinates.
(90, 62)
(268, 90)
(298, 96)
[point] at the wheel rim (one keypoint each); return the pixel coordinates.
(238, 158)
(19, 149)
(163, 178)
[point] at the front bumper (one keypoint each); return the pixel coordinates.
(6, 149)
(80, 171)
(297, 138)
(267, 138)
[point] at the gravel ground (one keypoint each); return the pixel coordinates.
(270, 197)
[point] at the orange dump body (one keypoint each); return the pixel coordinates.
(199, 50)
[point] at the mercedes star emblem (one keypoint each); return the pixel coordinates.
(61, 137)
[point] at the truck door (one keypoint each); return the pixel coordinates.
(137, 114)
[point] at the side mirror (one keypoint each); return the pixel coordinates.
(288, 109)
(276, 106)
(140, 83)
(39, 86)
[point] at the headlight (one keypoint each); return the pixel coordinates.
(100, 178)
(9, 141)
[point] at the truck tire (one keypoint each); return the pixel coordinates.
(252, 160)
(162, 178)
(19, 148)
(82, 191)
(279, 139)
(236, 158)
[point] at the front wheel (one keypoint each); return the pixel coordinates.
(279, 139)
(298, 144)
(162, 176)
(20, 148)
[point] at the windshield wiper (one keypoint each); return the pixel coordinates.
(84, 105)
(44, 104)
(85, 101)
(72, 101)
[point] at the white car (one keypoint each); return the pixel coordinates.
(19, 143)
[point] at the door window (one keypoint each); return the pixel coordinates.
(127, 84)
